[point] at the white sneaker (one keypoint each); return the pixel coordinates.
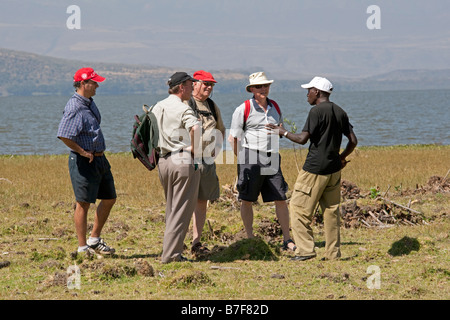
(100, 247)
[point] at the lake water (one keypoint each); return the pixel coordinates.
(29, 124)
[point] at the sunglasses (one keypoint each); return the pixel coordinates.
(208, 84)
(259, 86)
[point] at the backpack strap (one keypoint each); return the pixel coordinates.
(248, 108)
(276, 106)
(193, 105)
(212, 109)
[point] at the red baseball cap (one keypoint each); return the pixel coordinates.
(87, 74)
(204, 76)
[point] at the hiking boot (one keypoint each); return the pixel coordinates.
(101, 248)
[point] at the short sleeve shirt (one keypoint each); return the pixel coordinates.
(326, 123)
(175, 120)
(254, 134)
(81, 123)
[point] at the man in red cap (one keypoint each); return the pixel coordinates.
(89, 169)
(212, 140)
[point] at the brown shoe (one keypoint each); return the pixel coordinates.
(198, 249)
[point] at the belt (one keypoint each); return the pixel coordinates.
(96, 154)
(168, 154)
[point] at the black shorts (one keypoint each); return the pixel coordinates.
(91, 181)
(258, 174)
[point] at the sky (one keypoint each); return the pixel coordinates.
(289, 39)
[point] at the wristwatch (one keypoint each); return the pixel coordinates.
(285, 134)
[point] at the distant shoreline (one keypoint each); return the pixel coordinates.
(297, 149)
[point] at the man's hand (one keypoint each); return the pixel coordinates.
(272, 127)
(88, 155)
(344, 163)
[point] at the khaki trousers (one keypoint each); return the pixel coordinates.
(180, 182)
(309, 190)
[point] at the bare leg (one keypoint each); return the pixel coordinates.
(247, 217)
(80, 219)
(282, 212)
(102, 214)
(198, 220)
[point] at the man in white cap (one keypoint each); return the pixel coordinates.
(319, 180)
(259, 170)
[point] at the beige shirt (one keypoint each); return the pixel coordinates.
(175, 120)
(212, 131)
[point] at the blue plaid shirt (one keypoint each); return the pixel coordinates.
(81, 123)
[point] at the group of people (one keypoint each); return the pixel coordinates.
(188, 121)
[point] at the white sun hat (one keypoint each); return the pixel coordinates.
(323, 84)
(256, 79)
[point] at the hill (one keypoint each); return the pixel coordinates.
(25, 74)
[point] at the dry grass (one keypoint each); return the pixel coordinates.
(37, 237)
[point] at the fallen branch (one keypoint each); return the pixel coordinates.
(445, 178)
(224, 268)
(401, 206)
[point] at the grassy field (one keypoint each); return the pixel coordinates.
(37, 237)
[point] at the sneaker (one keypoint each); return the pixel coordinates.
(83, 253)
(101, 248)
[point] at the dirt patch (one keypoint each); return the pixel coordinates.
(56, 279)
(229, 197)
(434, 185)
(246, 249)
(335, 277)
(271, 229)
(190, 279)
(349, 190)
(144, 268)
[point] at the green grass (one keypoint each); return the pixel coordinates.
(37, 237)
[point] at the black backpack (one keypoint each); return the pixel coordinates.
(212, 109)
(144, 142)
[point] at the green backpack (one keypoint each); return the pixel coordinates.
(144, 142)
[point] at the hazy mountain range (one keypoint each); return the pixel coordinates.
(27, 74)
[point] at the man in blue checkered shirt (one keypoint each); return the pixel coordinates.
(90, 171)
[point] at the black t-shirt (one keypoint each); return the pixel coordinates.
(326, 123)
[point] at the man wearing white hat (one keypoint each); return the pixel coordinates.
(319, 180)
(259, 161)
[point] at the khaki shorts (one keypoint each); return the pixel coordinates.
(209, 182)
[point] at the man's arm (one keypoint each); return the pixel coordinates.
(75, 147)
(195, 135)
(351, 145)
(234, 142)
(300, 138)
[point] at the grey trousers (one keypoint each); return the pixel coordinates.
(180, 182)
